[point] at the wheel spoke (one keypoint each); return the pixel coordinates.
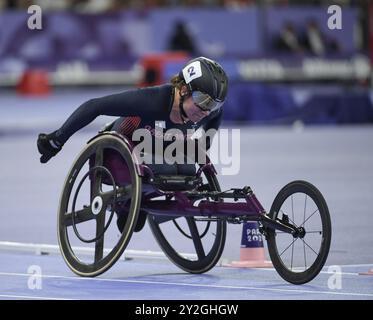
(292, 255)
(309, 217)
(80, 216)
(288, 246)
(99, 246)
(304, 254)
(304, 242)
(97, 175)
(196, 238)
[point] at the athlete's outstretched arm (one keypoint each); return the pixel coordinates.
(123, 104)
(135, 102)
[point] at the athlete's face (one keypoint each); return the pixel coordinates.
(193, 112)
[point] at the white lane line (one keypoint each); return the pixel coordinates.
(39, 249)
(324, 272)
(31, 297)
(352, 265)
(325, 267)
(341, 273)
(195, 285)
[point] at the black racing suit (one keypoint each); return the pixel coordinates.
(139, 108)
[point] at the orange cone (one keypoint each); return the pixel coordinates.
(34, 82)
(252, 248)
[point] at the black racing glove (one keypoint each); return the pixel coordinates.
(48, 146)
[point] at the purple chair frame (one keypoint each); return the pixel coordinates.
(211, 206)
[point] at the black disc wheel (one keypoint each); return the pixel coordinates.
(192, 243)
(102, 183)
(300, 257)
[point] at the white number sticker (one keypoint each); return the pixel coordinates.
(192, 71)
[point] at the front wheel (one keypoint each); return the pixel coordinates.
(299, 259)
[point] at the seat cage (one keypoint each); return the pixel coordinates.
(119, 169)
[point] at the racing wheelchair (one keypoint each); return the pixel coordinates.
(185, 213)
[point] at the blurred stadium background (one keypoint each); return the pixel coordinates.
(283, 61)
(296, 87)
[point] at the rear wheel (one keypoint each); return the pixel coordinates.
(203, 240)
(299, 259)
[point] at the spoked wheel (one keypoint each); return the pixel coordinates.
(178, 236)
(92, 195)
(298, 259)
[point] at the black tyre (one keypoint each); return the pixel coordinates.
(298, 260)
(204, 239)
(92, 192)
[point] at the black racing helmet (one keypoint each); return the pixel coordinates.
(207, 82)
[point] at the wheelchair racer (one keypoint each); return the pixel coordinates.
(192, 100)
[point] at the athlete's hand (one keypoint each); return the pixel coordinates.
(47, 146)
